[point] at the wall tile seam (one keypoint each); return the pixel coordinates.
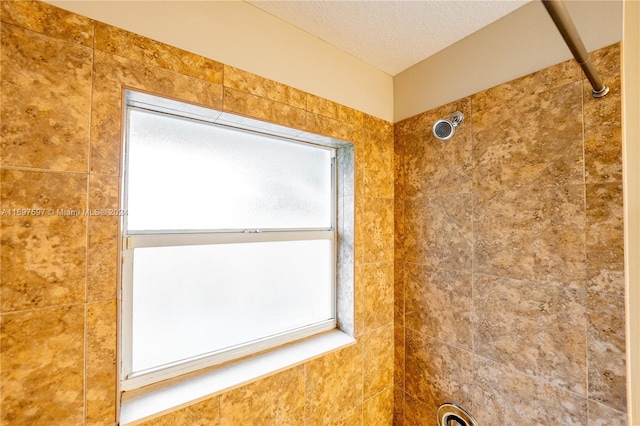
(432, 268)
(556, 284)
(377, 394)
(533, 377)
(44, 308)
(423, 336)
(44, 170)
(52, 36)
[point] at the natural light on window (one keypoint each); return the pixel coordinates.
(229, 242)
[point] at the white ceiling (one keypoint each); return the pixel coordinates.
(390, 35)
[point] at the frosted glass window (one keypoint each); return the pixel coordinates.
(189, 301)
(229, 242)
(186, 174)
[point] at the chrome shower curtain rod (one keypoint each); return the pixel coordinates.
(560, 16)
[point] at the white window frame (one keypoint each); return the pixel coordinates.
(138, 239)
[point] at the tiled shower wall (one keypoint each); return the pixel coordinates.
(509, 255)
(63, 77)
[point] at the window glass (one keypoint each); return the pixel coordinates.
(194, 300)
(184, 175)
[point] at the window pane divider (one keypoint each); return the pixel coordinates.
(132, 241)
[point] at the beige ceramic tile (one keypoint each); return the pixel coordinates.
(600, 415)
(438, 231)
(244, 81)
(350, 418)
(603, 135)
(377, 125)
(439, 305)
(377, 227)
(378, 299)
(605, 239)
(263, 109)
(399, 180)
(378, 410)
(379, 168)
(417, 123)
(535, 328)
(537, 144)
(503, 396)
(537, 82)
(531, 234)
(327, 108)
(101, 363)
(205, 413)
(112, 74)
(44, 18)
(42, 367)
(43, 239)
(418, 413)
(45, 101)
(327, 126)
(378, 360)
(606, 350)
(330, 391)
(142, 49)
(436, 372)
(607, 62)
(275, 400)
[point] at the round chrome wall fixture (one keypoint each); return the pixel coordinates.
(443, 129)
(453, 415)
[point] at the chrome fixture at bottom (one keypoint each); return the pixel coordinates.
(453, 415)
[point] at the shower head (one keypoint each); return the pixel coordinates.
(443, 129)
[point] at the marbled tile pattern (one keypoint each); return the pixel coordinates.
(43, 256)
(43, 18)
(379, 409)
(277, 400)
(439, 304)
(42, 366)
(540, 244)
(377, 229)
(329, 391)
(378, 360)
(438, 231)
(605, 238)
(606, 351)
(531, 234)
(531, 327)
(378, 294)
(436, 372)
(262, 108)
(45, 101)
(537, 144)
(101, 359)
(601, 415)
(504, 396)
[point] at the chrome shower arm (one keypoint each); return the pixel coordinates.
(560, 16)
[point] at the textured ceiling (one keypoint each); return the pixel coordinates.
(390, 35)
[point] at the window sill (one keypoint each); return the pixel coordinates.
(146, 404)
